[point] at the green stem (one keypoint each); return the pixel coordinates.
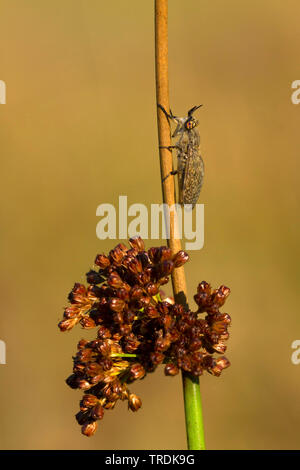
(123, 355)
(193, 412)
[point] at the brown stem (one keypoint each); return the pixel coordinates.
(164, 137)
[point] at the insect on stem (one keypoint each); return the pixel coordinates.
(190, 166)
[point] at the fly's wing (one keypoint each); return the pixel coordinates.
(182, 154)
(181, 164)
(192, 177)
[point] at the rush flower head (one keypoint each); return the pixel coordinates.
(137, 330)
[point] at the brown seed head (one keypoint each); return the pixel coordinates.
(134, 402)
(89, 429)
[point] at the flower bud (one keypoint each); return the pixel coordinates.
(97, 412)
(116, 304)
(162, 344)
(87, 323)
(102, 261)
(163, 280)
(71, 311)
(72, 381)
(144, 259)
(77, 294)
(106, 364)
(151, 312)
(166, 267)
(219, 327)
(81, 344)
(171, 369)
(97, 379)
(104, 348)
(163, 307)
(84, 354)
(129, 316)
(136, 293)
(221, 295)
(118, 318)
(116, 255)
(81, 417)
(115, 281)
(157, 358)
(89, 400)
(78, 369)
(154, 254)
(89, 429)
(93, 277)
(167, 321)
(66, 325)
(178, 310)
(83, 384)
(137, 371)
(137, 243)
(134, 402)
(93, 369)
(135, 266)
(104, 333)
(219, 364)
(165, 253)
(125, 329)
(152, 289)
(225, 290)
(220, 347)
(195, 344)
(131, 343)
(180, 258)
(123, 294)
(144, 301)
(204, 287)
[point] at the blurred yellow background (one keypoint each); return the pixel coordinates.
(78, 130)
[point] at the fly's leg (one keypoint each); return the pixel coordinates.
(174, 172)
(169, 116)
(170, 147)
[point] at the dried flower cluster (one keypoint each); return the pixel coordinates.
(137, 330)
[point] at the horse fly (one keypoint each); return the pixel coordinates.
(190, 166)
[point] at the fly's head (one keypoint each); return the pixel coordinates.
(185, 124)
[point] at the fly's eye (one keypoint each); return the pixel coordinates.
(190, 125)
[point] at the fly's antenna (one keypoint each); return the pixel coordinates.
(191, 111)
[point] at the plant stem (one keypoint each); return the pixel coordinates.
(123, 355)
(191, 389)
(193, 412)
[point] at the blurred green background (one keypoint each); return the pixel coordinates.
(78, 130)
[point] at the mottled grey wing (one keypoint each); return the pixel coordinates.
(192, 178)
(181, 160)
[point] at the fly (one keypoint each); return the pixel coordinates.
(190, 166)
